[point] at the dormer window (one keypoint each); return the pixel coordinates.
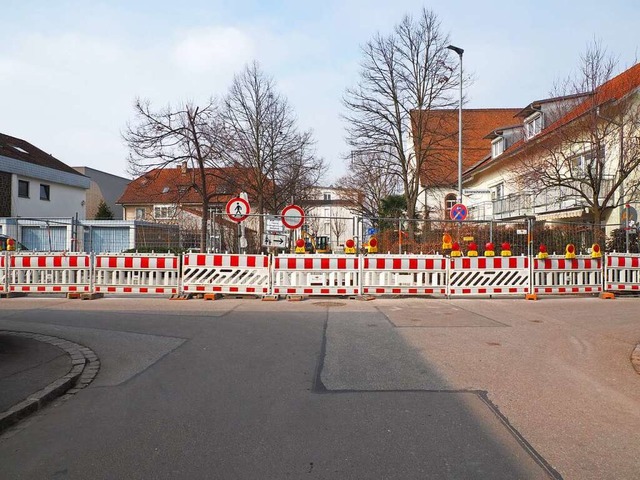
(533, 125)
(497, 147)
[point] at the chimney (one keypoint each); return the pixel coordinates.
(183, 168)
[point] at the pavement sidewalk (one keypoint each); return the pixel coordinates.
(35, 369)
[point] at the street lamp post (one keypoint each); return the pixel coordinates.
(459, 51)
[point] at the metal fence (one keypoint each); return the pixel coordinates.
(393, 235)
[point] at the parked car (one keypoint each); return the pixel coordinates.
(10, 243)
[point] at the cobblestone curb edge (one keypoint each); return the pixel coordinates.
(84, 368)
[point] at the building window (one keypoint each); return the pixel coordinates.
(449, 202)
(45, 192)
(533, 125)
(23, 188)
(497, 192)
(581, 164)
(164, 212)
(327, 197)
(497, 147)
(140, 213)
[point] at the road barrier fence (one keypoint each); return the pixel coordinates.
(315, 275)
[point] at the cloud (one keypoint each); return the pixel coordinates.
(213, 49)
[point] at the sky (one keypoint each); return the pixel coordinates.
(71, 70)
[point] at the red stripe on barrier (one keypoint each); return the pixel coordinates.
(234, 260)
(201, 260)
(112, 261)
(143, 290)
(482, 290)
(251, 261)
(42, 261)
(144, 262)
(128, 262)
(233, 289)
(41, 289)
(380, 263)
(513, 262)
(342, 291)
(251, 289)
(466, 263)
(342, 263)
(291, 263)
(513, 290)
(413, 291)
(397, 264)
(308, 263)
(429, 264)
(324, 264)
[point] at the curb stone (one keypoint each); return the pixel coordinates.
(84, 368)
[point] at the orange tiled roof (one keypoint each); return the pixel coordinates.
(441, 166)
(172, 185)
(612, 90)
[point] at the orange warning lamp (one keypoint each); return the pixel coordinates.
(11, 244)
(505, 249)
(300, 246)
(595, 251)
(446, 242)
(489, 250)
(570, 251)
(542, 253)
(473, 250)
(455, 250)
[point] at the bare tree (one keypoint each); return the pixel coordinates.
(189, 136)
(368, 183)
(591, 151)
(338, 227)
(279, 159)
(408, 70)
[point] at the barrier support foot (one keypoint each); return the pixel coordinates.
(180, 296)
(212, 296)
(607, 296)
(270, 298)
(531, 296)
(295, 298)
(91, 296)
(74, 295)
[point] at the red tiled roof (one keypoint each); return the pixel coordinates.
(441, 166)
(172, 185)
(610, 91)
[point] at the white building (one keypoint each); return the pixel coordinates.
(36, 184)
(328, 212)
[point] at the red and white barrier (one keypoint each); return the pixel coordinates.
(136, 273)
(316, 275)
(50, 273)
(559, 275)
(4, 269)
(622, 272)
(489, 276)
(225, 273)
(404, 275)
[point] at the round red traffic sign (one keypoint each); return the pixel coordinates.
(458, 212)
(238, 209)
(292, 216)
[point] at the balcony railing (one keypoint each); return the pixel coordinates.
(532, 203)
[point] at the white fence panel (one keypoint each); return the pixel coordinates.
(136, 273)
(559, 275)
(489, 276)
(225, 273)
(404, 275)
(316, 275)
(622, 272)
(50, 273)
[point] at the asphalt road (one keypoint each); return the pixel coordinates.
(338, 389)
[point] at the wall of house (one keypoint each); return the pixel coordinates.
(104, 186)
(64, 200)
